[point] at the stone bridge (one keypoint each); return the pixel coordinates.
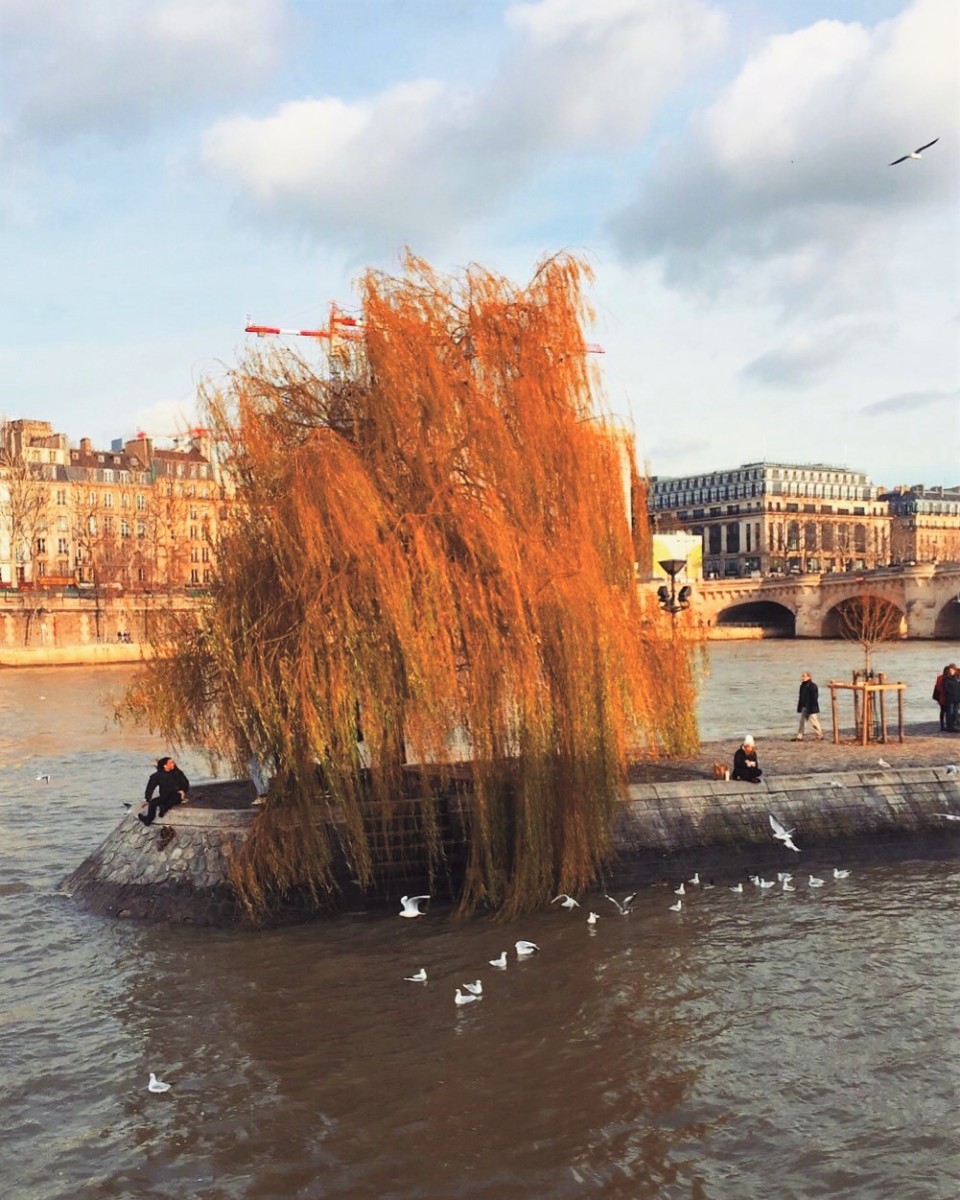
(927, 596)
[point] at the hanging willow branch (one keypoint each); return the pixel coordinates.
(433, 536)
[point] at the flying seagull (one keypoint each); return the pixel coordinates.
(623, 908)
(157, 1085)
(411, 906)
(419, 977)
(915, 153)
(783, 835)
(568, 901)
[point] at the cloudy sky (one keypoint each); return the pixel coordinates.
(767, 286)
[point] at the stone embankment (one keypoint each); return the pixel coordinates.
(845, 807)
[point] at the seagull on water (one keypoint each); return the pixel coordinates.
(767, 883)
(738, 888)
(814, 882)
(680, 891)
(623, 908)
(568, 901)
(157, 1085)
(914, 153)
(695, 880)
(840, 873)
(787, 886)
(783, 835)
(525, 949)
(500, 962)
(419, 977)
(411, 906)
(460, 998)
(475, 989)
(593, 918)
(883, 764)
(676, 907)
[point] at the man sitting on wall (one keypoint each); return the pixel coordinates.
(172, 789)
(745, 764)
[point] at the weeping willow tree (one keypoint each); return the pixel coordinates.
(433, 540)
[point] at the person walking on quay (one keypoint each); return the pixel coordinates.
(951, 694)
(941, 697)
(808, 706)
(172, 787)
(745, 765)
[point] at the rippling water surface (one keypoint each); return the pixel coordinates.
(762, 1045)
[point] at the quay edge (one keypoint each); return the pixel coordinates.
(177, 871)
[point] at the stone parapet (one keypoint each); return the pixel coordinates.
(178, 869)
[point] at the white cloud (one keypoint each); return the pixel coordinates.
(793, 154)
(110, 69)
(418, 162)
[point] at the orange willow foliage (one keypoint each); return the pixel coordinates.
(434, 537)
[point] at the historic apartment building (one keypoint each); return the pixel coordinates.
(131, 517)
(924, 524)
(786, 518)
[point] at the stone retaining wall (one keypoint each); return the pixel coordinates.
(178, 869)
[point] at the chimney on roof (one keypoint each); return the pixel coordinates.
(85, 445)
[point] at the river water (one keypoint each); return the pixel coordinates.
(793, 1045)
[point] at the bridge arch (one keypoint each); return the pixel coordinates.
(947, 622)
(765, 613)
(832, 625)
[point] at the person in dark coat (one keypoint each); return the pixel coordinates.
(172, 786)
(745, 765)
(808, 706)
(941, 698)
(951, 694)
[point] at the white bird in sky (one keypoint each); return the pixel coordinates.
(676, 907)
(525, 949)
(568, 901)
(695, 880)
(883, 764)
(914, 153)
(460, 998)
(814, 882)
(623, 908)
(500, 962)
(157, 1085)
(783, 835)
(411, 906)
(738, 888)
(593, 918)
(419, 977)
(680, 891)
(840, 873)
(949, 816)
(475, 989)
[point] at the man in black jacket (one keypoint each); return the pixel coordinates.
(172, 788)
(808, 706)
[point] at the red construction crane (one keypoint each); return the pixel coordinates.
(340, 325)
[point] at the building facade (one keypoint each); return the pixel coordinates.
(134, 517)
(924, 524)
(766, 518)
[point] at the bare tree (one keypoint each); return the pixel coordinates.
(867, 620)
(23, 501)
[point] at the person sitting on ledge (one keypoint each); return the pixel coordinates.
(172, 787)
(745, 764)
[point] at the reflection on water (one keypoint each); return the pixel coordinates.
(748, 1046)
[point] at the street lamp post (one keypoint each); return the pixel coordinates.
(669, 599)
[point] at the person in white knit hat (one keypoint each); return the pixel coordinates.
(745, 764)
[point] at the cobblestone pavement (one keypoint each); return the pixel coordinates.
(923, 746)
